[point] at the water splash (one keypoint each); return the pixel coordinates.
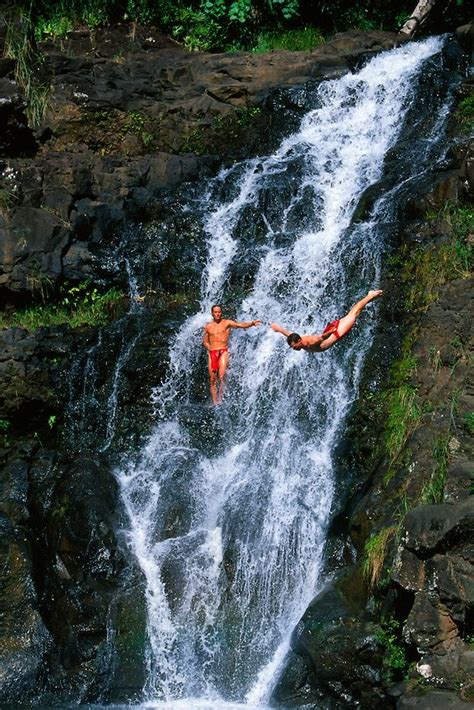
(228, 507)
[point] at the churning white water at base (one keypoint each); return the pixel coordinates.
(228, 507)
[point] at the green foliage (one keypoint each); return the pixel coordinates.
(7, 200)
(401, 409)
(140, 125)
(433, 491)
(53, 28)
(469, 422)
(427, 268)
(4, 425)
(106, 131)
(395, 661)
(230, 131)
(374, 554)
(81, 305)
(403, 412)
(223, 24)
(196, 30)
(19, 45)
(52, 421)
(465, 114)
(39, 284)
(462, 222)
(294, 40)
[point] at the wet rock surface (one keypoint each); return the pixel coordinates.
(67, 581)
(129, 118)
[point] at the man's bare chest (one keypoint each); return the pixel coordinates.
(217, 331)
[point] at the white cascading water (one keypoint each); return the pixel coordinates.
(228, 507)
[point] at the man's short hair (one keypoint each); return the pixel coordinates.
(216, 305)
(293, 338)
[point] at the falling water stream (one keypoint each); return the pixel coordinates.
(228, 506)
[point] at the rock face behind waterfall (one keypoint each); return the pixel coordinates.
(127, 120)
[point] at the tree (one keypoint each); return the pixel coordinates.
(418, 17)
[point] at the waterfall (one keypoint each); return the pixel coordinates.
(228, 506)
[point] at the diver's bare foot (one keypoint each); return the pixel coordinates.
(375, 294)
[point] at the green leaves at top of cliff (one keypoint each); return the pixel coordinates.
(230, 24)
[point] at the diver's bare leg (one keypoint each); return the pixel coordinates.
(212, 382)
(346, 323)
(223, 362)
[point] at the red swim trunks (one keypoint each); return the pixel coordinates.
(215, 356)
(333, 324)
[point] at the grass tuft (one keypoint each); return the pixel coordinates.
(298, 40)
(427, 268)
(465, 114)
(19, 45)
(403, 413)
(374, 554)
(433, 491)
(80, 305)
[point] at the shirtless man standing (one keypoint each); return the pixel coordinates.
(332, 332)
(216, 338)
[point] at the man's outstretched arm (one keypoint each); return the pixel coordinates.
(249, 324)
(278, 329)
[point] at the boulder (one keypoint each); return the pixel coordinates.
(335, 655)
(24, 638)
(432, 528)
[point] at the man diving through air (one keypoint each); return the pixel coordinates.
(332, 332)
(216, 338)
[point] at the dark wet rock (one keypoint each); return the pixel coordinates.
(433, 700)
(80, 575)
(119, 133)
(16, 138)
(435, 527)
(429, 624)
(30, 366)
(465, 35)
(334, 655)
(24, 638)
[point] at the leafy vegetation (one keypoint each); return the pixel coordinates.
(224, 24)
(395, 661)
(4, 425)
(403, 412)
(227, 133)
(398, 406)
(80, 305)
(469, 422)
(7, 200)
